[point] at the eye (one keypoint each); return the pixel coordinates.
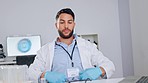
(61, 22)
(70, 22)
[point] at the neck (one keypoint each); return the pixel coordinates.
(66, 41)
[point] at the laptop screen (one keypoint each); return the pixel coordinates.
(23, 45)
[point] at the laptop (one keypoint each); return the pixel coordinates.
(135, 79)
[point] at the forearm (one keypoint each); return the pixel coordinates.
(42, 75)
(103, 71)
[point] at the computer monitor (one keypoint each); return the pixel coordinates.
(23, 45)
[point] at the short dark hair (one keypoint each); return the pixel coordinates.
(67, 11)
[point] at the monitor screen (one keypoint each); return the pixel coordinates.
(23, 45)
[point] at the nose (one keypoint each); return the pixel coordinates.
(66, 25)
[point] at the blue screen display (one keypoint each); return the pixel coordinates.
(24, 45)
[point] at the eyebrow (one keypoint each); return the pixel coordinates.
(68, 20)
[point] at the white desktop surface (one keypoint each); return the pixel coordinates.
(113, 80)
(21, 82)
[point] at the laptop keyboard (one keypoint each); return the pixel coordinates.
(143, 79)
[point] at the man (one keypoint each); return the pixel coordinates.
(69, 57)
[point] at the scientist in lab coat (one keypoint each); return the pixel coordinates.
(69, 57)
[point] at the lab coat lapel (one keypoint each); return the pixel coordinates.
(83, 53)
(50, 55)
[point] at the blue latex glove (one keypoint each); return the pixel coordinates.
(55, 77)
(90, 73)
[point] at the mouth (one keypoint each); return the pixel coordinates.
(66, 31)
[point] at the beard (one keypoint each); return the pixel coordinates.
(63, 36)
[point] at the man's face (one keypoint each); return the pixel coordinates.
(65, 25)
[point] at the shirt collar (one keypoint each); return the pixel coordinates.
(75, 39)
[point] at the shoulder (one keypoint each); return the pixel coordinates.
(85, 44)
(47, 46)
(84, 41)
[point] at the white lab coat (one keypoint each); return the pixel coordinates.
(89, 55)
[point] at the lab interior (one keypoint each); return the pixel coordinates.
(116, 27)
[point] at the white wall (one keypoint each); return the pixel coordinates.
(20, 17)
(139, 26)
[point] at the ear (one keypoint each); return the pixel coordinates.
(74, 24)
(56, 25)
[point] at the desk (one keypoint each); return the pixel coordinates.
(113, 80)
(18, 82)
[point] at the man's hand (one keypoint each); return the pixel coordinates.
(91, 74)
(55, 77)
